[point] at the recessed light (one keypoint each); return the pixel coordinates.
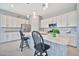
(12, 5)
(28, 16)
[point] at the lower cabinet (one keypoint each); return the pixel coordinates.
(2, 37)
(8, 36)
(56, 49)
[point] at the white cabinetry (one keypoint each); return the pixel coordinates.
(2, 37)
(2, 20)
(9, 21)
(54, 19)
(9, 36)
(59, 21)
(15, 22)
(72, 18)
(10, 24)
(67, 19)
(64, 20)
(72, 39)
(45, 23)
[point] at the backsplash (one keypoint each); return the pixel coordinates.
(63, 30)
(68, 30)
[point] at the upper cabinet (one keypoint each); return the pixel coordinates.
(45, 23)
(54, 20)
(67, 19)
(59, 21)
(9, 21)
(72, 18)
(64, 20)
(2, 20)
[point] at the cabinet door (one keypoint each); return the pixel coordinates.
(72, 18)
(3, 37)
(9, 21)
(59, 21)
(64, 20)
(72, 39)
(14, 22)
(2, 20)
(60, 50)
(54, 20)
(18, 22)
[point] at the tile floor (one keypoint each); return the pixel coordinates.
(12, 49)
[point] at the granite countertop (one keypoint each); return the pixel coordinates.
(60, 39)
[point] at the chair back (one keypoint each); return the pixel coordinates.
(21, 34)
(37, 37)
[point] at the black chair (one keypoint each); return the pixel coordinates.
(39, 45)
(23, 40)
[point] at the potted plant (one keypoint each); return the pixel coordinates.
(54, 32)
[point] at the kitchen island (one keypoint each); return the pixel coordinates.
(58, 45)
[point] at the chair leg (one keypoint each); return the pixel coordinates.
(46, 53)
(21, 45)
(35, 53)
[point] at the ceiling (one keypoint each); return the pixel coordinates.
(28, 8)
